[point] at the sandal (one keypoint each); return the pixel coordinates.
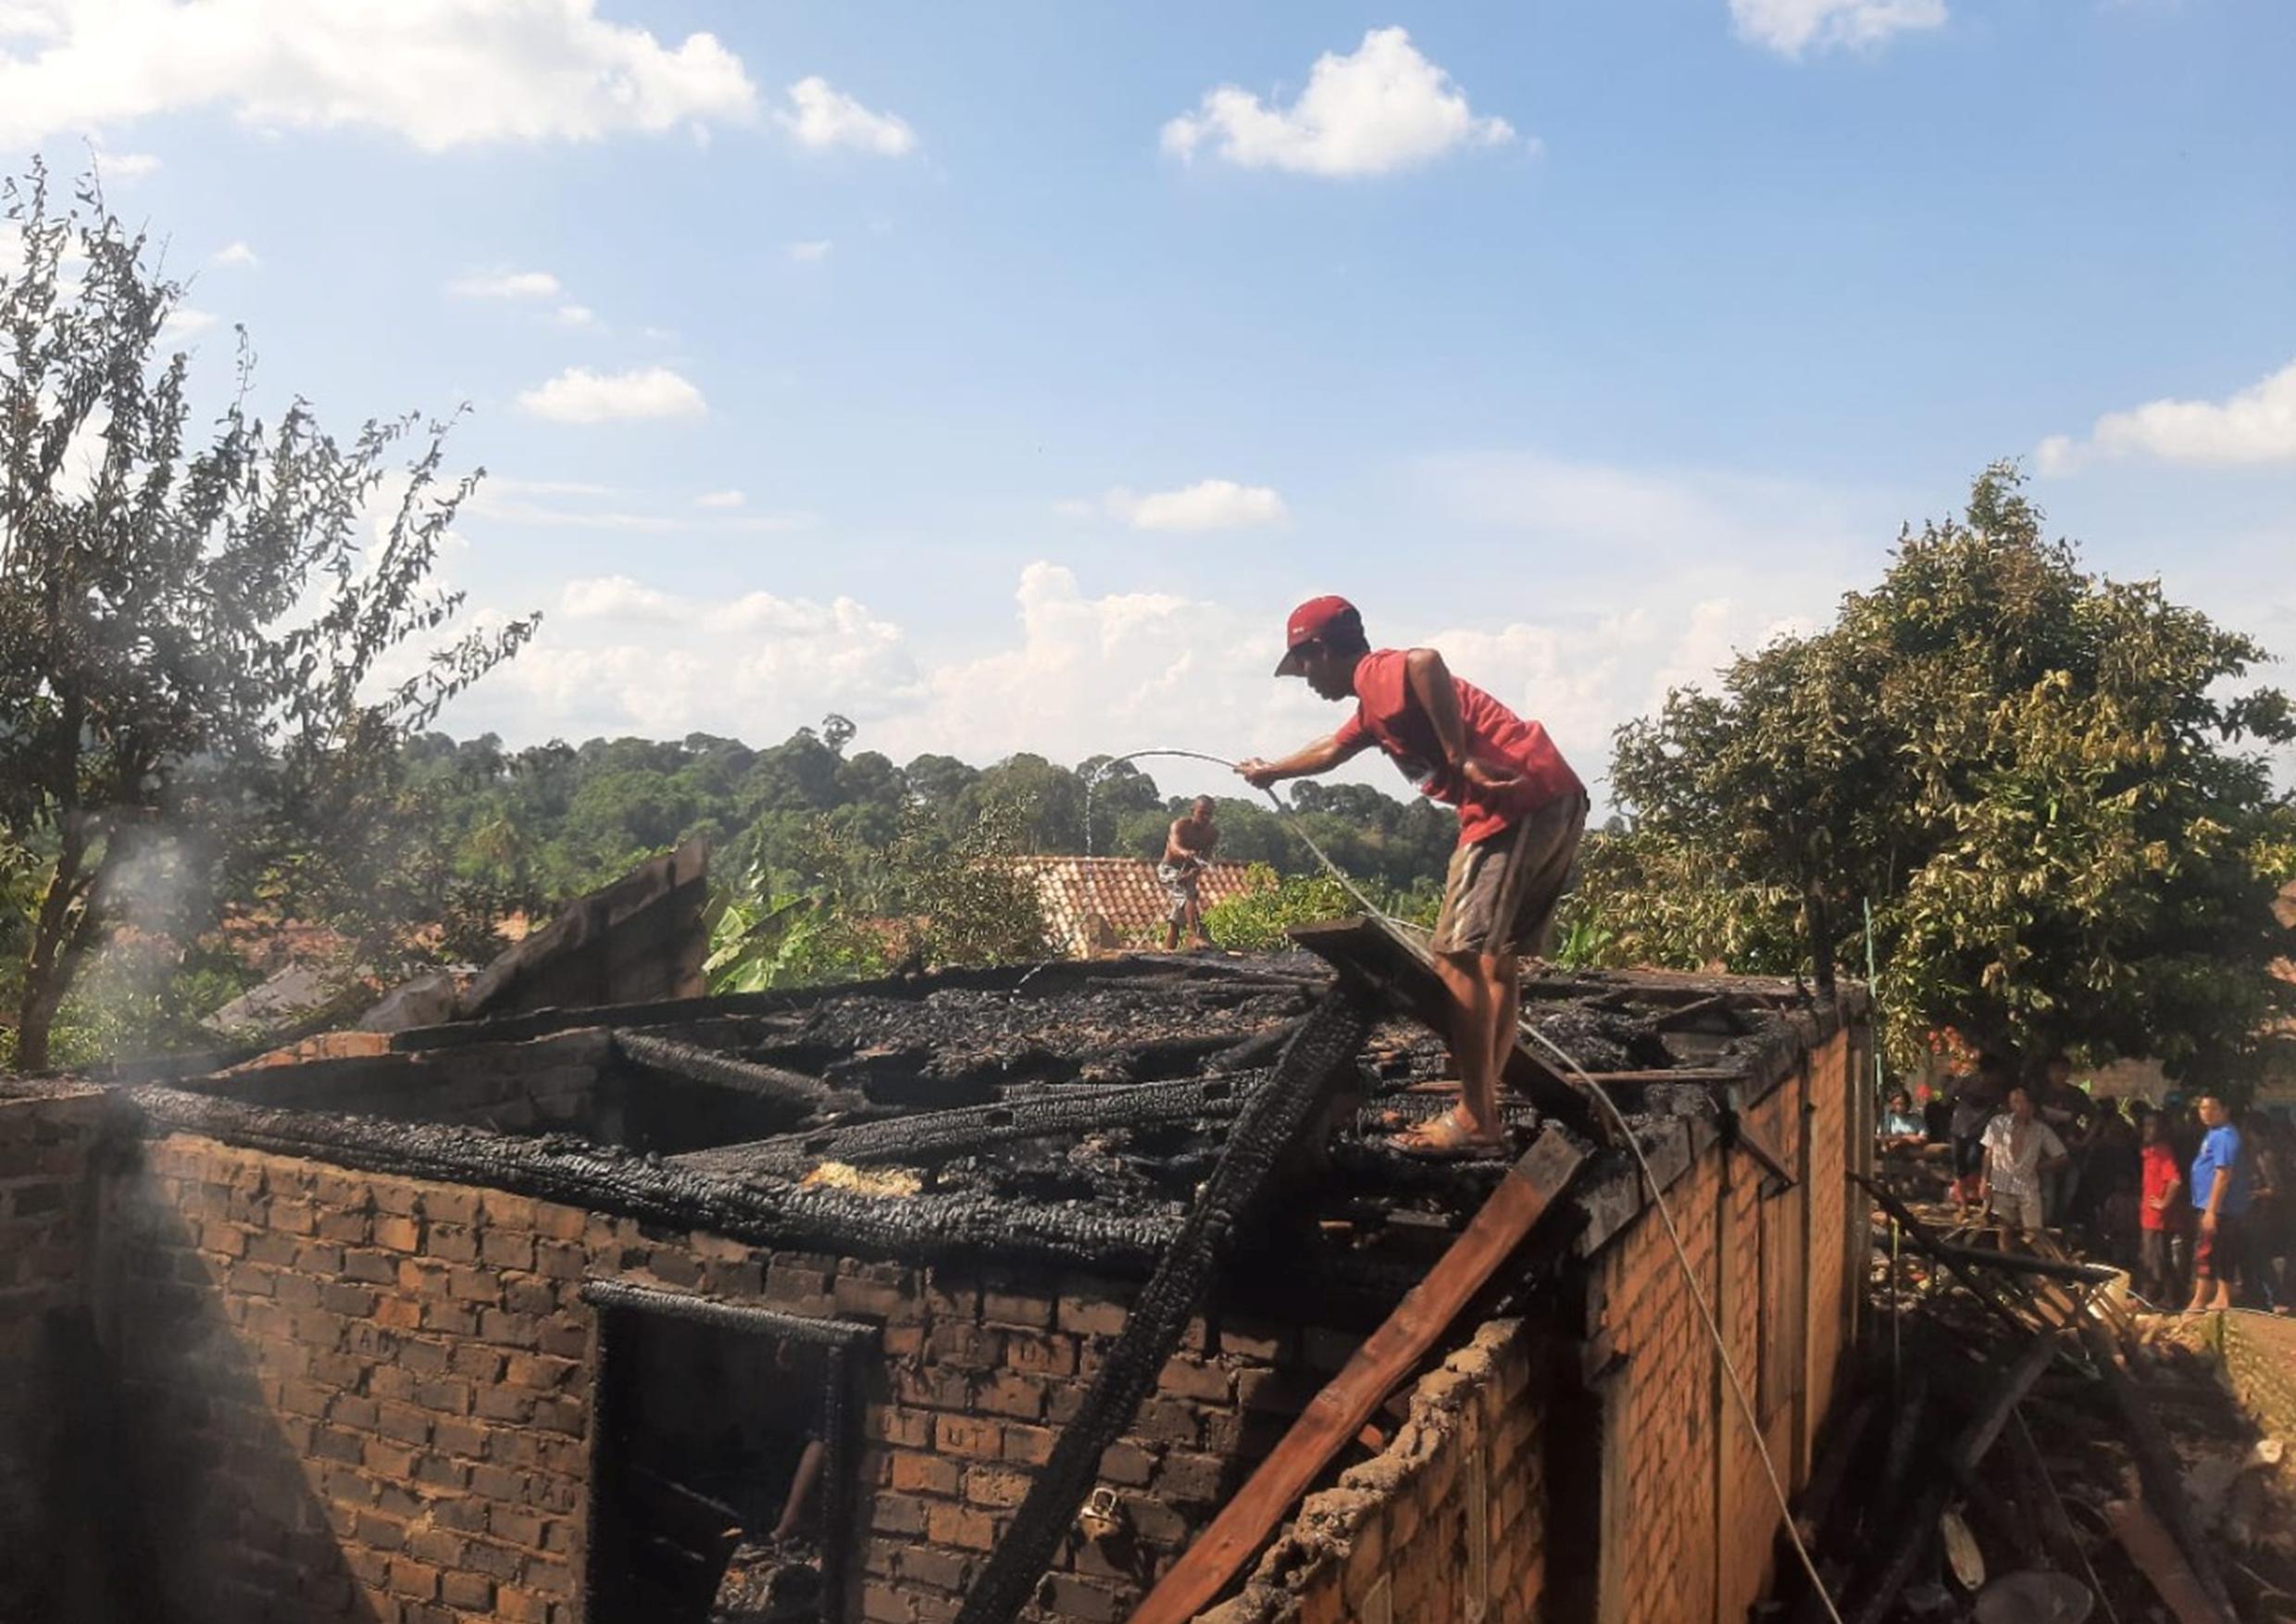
(1447, 1138)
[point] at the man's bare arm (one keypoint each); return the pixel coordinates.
(1305, 762)
(1431, 686)
(1437, 696)
(1174, 852)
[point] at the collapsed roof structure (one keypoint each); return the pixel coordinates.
(972, 1295)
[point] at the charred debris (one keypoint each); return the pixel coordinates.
(1065, 1112)
(2024, 1440)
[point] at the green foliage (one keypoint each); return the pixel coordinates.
(2046, 783)
(1272, 904)
(1256, 920)
(860, 906)
(196, 641)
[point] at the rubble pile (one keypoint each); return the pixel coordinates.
(2024, 1443)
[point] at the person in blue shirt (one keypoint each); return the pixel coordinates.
(1901, 1125)
(2220, 1194)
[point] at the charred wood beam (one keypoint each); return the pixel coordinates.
(690, 1063)
(931, 1134)
(2001, 1403)
(1320, 1055)
(574, 1172)
(1055, 978)
(1968, 1449)
(2094, 1274)
(2157, 1467)
(1398, 970)
(1738, 1136)
(1254, 1051)
(1926, 1240)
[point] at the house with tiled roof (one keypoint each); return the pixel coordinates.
(1106, 905)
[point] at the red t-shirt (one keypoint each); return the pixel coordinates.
(1388, 715)
(2160, 1178)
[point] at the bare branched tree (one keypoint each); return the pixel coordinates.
(210, 650)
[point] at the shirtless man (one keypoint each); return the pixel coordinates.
(1521, 812)
(1188, 849)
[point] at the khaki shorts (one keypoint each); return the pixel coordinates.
(1501, 894)
(2021, 1212)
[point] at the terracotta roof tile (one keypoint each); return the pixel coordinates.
(1110, 904)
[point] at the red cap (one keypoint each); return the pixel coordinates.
(1318, 618)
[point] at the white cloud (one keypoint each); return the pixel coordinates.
(579, 395)
(1385, 107)
(566, 504)
(820, 116)
(2254, 425)
(812, 252)
(1206, 505)
(575, 316)
(614, 597)
(185, 323)
(1793, 27)
(235, 254)
(1074, 674)
(126, 165)
(620, 657)
(506, 285)
(439, 73)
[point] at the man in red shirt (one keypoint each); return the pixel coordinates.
(2156, 1212)
(1521, 813)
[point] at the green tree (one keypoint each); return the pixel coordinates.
(193, 640)
(2050, 786)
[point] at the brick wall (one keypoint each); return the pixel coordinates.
(1667, 1496)
(368, 1398)
(47, 1134)
(1690, 1513)
(1397, 1534)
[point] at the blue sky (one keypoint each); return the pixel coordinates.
(1053, 351)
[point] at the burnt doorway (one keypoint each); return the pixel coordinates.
(722, 1466)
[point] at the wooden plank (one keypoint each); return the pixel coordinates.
(1402, 971)
(2158, 1469)
(1337, 1414)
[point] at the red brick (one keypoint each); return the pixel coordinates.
(967, 1436)
(924, 1474)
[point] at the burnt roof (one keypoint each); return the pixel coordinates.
(1064, 1112)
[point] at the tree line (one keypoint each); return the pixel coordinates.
(2040, 801)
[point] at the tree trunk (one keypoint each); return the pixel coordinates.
(61, 932)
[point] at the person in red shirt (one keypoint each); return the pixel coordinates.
(1521, 813)
(2156, 1212)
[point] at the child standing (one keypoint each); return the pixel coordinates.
(2156, 1213)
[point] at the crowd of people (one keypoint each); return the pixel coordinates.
(2197, 1202)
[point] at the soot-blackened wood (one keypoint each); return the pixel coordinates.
(1402, 971)
(775, 1212)
(1323, 1052)
(2157, 1465)
(692, 1063)
(1962, 1459)
(1387, 1356)
(930, 1135)
(2001, 1403)
(2095, 1274)
(1926, 1239)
